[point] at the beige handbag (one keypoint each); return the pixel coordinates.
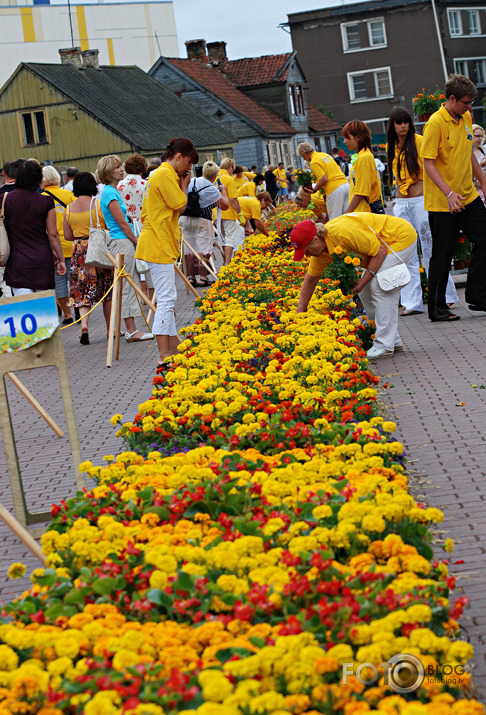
(98, 241)
(4, 244)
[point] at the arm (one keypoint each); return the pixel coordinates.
(453, 198)
(236, 205)
(373, 265)
(354, 203)
(306, 292)
(68, 234)
(478, 172)
(260, 226)
(223, 202)
(117, 214)
(55, 241)
(185, 180)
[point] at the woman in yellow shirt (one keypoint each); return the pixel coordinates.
(406, 165)
(364, 181)
(158, 243)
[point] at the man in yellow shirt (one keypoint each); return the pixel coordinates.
(381, 241)
(282, 183)
(451, 197)
(330, 179)
(231, 220)
(251, 208)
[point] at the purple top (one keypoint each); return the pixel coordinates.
(31, 263)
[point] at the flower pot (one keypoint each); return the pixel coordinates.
(459, 265)
(467, 262)
(425, 117)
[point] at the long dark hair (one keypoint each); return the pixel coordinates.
(409, 152)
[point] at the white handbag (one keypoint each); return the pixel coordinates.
(4, 244)
(98, 241)
(397, 276)
(141, 265)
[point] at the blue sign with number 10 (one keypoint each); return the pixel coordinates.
(23, 323)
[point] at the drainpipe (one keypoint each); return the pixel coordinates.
(439, 38)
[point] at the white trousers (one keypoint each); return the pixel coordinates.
(337, 202)
(22, 291)
(413, 211)
(163, 277)
(382, 306)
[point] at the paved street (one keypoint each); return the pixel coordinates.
(445, 440)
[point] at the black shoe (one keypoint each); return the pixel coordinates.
(480, 308)
(76, 314)
(68, 321)
(84, 339)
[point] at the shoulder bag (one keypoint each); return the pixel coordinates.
(4, 244)
(141, 265)
(98, 241)
(397, 276)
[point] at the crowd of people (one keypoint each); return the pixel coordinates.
(155, 211)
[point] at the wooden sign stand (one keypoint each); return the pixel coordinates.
(47, 353)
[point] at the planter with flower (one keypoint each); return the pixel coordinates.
(462, 253)
(426, 103)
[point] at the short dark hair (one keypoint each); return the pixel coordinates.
(361, 131)
(71, 172)
(239, 169)
(258, 179)
(280, 163)
(14, 167)
(460, 86)
(29, 176)
(6, 167)
(182, 146)
(335, 150)
(84, 184)
(135, 164)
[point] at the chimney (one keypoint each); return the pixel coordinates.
(196, 50)
(91, 58)
(71, 56)
(217, 52)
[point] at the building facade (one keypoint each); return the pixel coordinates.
(361, 60)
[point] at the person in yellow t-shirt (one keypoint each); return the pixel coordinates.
(251, 208)
(406, 165)
(319, 208)
(451, 198)
(232, 220)
(364, 180)
(51, 186)
(158, 243)
(239, 177)
(251, 188)
(365, 234)
(330, 179)
(282, 182)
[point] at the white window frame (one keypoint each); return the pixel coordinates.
(478, 22)
(468, 60)
(344, 36)
(459, 70)
(455, 11)
(480, 84)
(372, 71)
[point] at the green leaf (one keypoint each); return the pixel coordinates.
(159, 598)
(48, 578)
(146, 494)
(184, 582)
(258, 642)
(76, 596)
(54, 610)
(195, 508)
(225, 654)
(104, 586)
(162, 512)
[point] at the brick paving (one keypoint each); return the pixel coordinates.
(446, 444)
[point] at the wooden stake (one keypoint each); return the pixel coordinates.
(22, 534)
(111, 329)
(36, 405)
(120, 259)
(188, 285)
(184, 270)
(199, 257)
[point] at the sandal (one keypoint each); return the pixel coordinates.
(444, 317)
(84, 339)
(194, 283)
(162, 367)
(144, 336)
(206, 283)
(409, 311)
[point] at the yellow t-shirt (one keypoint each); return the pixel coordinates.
(249, 175)
(353, 234)
(67, 198)
(251, 208)
(450, 144)
(404, 181)
(239, 182)
(230, 186)
(321, 164)
(364, 180)
(160, 235)
(319, 202)
(248, 189)
(281, 174)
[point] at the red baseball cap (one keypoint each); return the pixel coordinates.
(302, 234)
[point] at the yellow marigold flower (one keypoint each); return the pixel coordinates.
(16, 571)
(449, 546)
(356, 261)
(322, 512)
(9, 659)
(389, 426)
(116, 419)
(338, 250)
(85, 466)
(348, 260)
(66, 646)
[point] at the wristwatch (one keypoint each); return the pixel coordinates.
(373, 273)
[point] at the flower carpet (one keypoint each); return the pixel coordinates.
(256, 537)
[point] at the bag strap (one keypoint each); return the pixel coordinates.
(194, 190)
(55, 198)
(98, 225)
(2, 212)
(386, 244)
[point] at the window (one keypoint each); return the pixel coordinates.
(480, 71)
(455, 24)
(370, 85)
(292, 99)
(296, 99)
(473, 20)
(33, 128)
(352, 40)
(317, 143)
(460, 67)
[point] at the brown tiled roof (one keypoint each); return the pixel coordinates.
(213, 80)
(252, 71)
(318, 122)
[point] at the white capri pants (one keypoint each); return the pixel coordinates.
(382, 306)
(413, 211)
(163, 277)
(233, 234)
(337, 201)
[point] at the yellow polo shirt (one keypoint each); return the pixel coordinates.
(281, 174)
(450, 144)
(321, 164)
(248, 189)
(160, 235)
(364, 180)
(354, 234)
(232, 192)
(251, 208)
(249, 175)
(67, 198)
(404, 181)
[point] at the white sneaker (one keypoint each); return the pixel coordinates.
(375, 353)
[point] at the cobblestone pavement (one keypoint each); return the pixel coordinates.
(445, 440)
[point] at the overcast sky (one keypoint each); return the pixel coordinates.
(250, 27)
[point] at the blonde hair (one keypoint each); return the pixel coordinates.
(304, 148)
(50, 176)
(321, 230)
(228, 163)
(210, 170)
(105, 168)
(478, 126)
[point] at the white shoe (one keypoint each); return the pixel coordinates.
(375, 353)
(145, 336)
